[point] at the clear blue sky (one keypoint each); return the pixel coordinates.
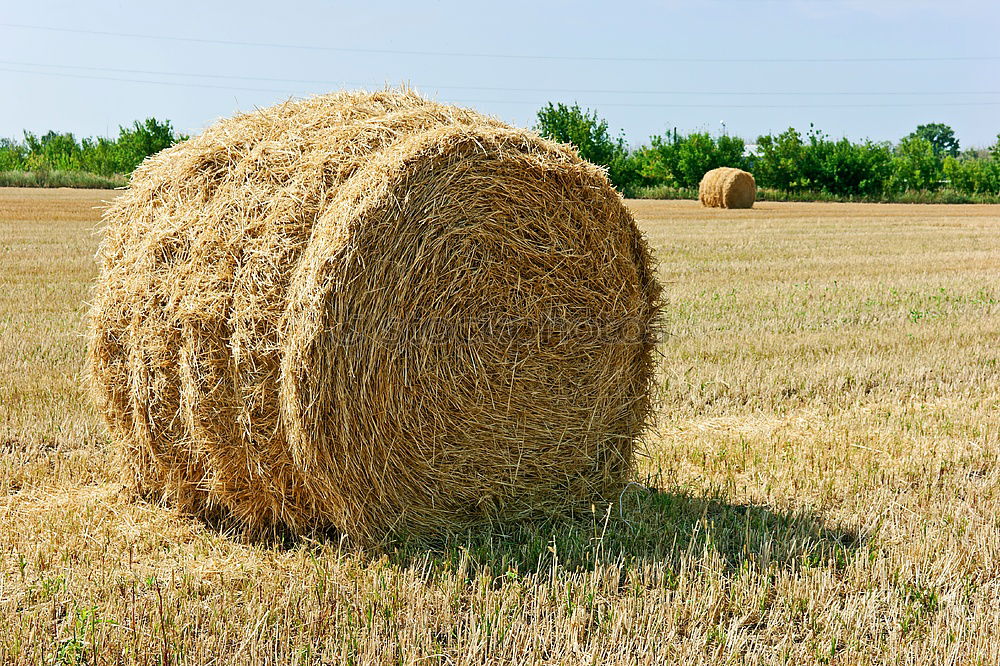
(872, 69)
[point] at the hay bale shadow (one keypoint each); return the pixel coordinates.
(648, 526)
(644, 526)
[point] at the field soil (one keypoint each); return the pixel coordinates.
(821, 483)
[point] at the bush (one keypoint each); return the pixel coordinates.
(142, 140)
(940, 136)
(109, 158)
(13, 155)
(589, 134)
(915, 166)
(682, 161)
(975, 176)
(779, 161)
(843, 168)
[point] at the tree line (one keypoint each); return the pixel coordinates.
(928, 160)
(927, 164)
(54, 151)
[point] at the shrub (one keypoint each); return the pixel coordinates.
(975, 176)
(843, 168)
(915, 166)
(12, 155)
(779, 161)
(105, 157)
(589, 135)
(682, 161)
(940, 136)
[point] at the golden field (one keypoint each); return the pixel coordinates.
(824, 458)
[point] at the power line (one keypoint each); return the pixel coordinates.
(499, 88)
(164, 83)
(509, 101)
(199, 75)
(510, 56)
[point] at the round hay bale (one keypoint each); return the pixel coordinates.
(727, 187)
(373, 312)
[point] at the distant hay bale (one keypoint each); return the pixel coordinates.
(373, 312)
(726, 187)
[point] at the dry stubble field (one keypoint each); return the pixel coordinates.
(825, 454)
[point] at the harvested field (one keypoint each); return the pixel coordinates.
(824, 458)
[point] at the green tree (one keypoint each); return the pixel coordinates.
(862, 169)
(652, 167)
(107, 157)
(683, 161)
(844, 168)
(661, 160)
(940, 136)
(973, 176)
(915, 165)
(143, 139)
(12, 155)
(779, 162)
(589, 134)
(729, 152)
(698, 153)
(695, 156)
(101, 156)
(52, 150)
